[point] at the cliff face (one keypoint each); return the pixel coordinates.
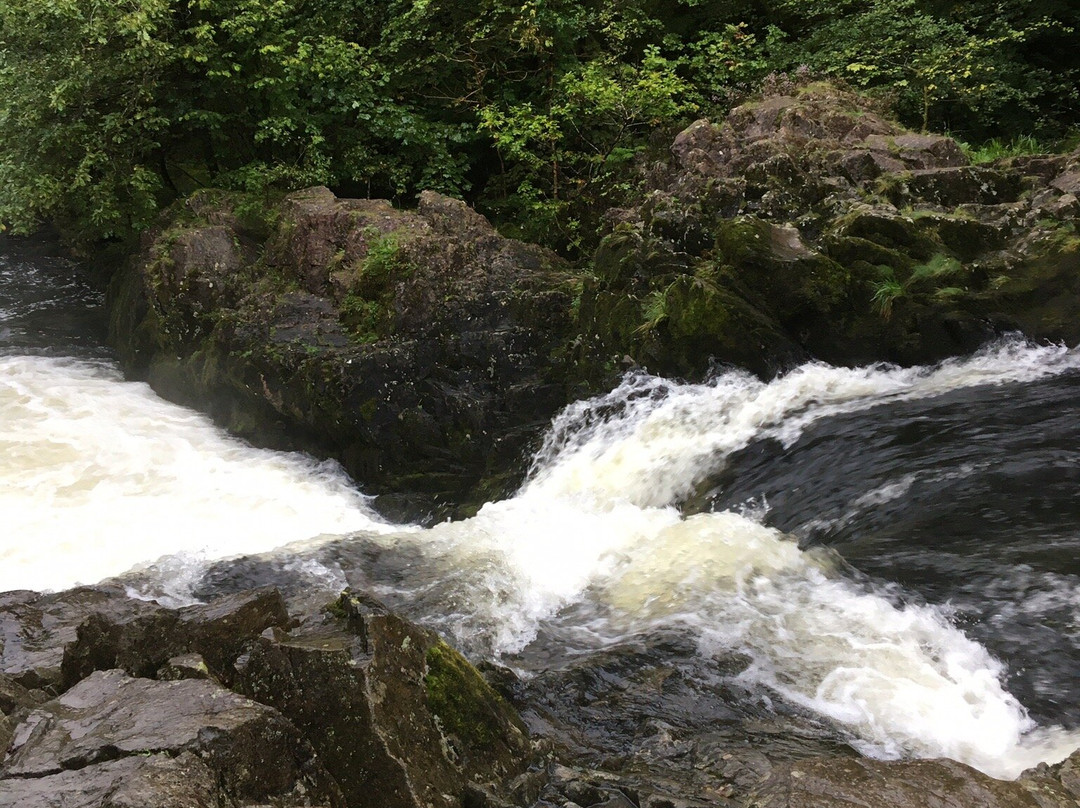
(425, 351)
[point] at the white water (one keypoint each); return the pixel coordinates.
(98, 475)
(109, 474)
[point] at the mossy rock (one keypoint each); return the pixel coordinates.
(887, 229)
(800, 287)
(855, 250)
(703, 322)
(477, 721)
(1040, 294)
(627, 256)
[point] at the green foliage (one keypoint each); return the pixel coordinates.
(940, 267)
(886, 292)
(578, 145)
(935, 280)
(80, 121)
(542, 113)
(366, 311)
(996, 148)
(949, 65)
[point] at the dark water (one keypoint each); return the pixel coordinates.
(968, 500)
(48, 306)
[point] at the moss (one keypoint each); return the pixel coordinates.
(848, 250)
(467, 707)
(366, 320)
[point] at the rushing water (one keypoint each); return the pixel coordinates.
(892, 550)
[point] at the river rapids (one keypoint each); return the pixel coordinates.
(893, 551)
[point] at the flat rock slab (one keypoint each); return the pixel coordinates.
(253, 752)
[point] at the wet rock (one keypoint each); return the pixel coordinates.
(830, 782)
(425, 351)
(398, 717)
(404, 343)
(254, 754)
(35, 628)
(157, 780)
(1056, 785)
(142, 643)
(14, 701)
(185, 666)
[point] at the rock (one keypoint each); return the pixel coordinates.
(425, 351)
(1054, 785)
(14, 696)
(697, 148)
(185, 666)
(406, 344)
(157, 780)
(14, 701)
(863, 165)
(919, 151)
(1068, 183)
(954, 186)
(831, 782)
(253, 753)
(398, 717)
(141, 644)
(35, 628)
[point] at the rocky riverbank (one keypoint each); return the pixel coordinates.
(268, 699)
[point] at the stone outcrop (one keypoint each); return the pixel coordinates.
(809, 225)
(426, 352)
(237, 702)
(416, 347)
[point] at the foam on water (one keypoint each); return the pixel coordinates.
(97, 475)
(596, 522)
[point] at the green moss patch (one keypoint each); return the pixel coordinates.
(467, 707)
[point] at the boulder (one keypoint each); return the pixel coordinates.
(953, 186)
(252, 753)
(399, 718)
(404, 343)
(918, 151)
(141, 644)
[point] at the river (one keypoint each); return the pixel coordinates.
(891, 551)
